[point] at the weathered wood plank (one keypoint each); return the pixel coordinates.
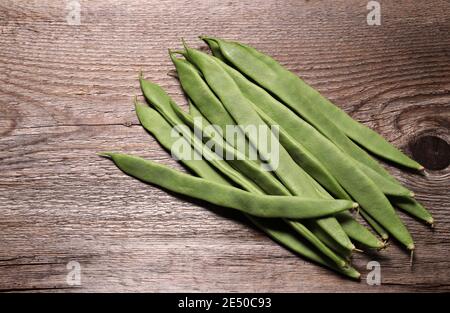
(66, 92)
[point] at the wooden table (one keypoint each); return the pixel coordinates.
(66, 93)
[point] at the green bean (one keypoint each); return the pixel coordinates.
(157, 125)
(358, 185)
(154, 123)
(306, 160)
(387, 186)
(312, 238)
(384, 180)
(248, 118)
(292, 176)
(310, 164)
(170, 111)
(215, 48)
(354, 229)
(230, 197)
(296, 225)
(262, 178)
(258, 67)
(318, 234)
(248, 171)
(273, 228)
(328, 240)
(198, 91)
(174, 115)
(257, 94)
(377, 227)
(414, 208)
(284, 117)
(358, 232)
(162, 102)
(308, 102)
(190, 80)
(158, 97)
(200, 94)
(351, 227)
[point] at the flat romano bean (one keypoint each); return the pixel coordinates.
(313, 239)
(169, 110)
(199, 93)
(313, 226)
(215, 48)
(292, 207)
(414, 208)
(387, 186)
(401, 195)
(358, 232)
(155, 124)
(256, 94)
(280, 234)
(243, 113)
(328, 240)
(292, 176)
(160, 128)
(244, 116)
(162, 102)
(190, 77)
(377, 227)
(235, 158)
(350, 226)
(324, 115)
(248, 61)
(173, 114)
(248, 171)
(283, 117)
(353, 228)
(306, 160)
(358, 185)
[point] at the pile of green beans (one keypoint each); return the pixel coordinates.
(326, 175)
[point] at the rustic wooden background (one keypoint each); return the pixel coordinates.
(66, 93)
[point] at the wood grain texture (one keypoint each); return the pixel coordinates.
(65, 94)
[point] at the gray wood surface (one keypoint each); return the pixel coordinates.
(65, 94)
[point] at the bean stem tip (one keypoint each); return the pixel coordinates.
(135, 101)
(105, 154)
(204, 38)
(184, 43)
(382, 244)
